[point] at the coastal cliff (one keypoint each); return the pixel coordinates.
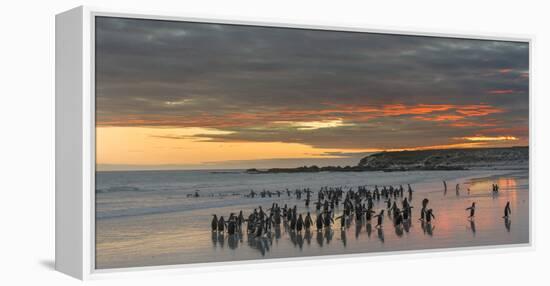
(444, 159)
(440, 159)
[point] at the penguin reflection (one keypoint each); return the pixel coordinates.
(507, 223)
(221, 239)
(233, 241)
(300, 240)
(277, 232)
(473, 226)
(398, 230)
(293, 237)
(328, 235)
(430, 229)
(407, 226)
(358, 227)
(343, 237)
(320, 238)
(259, 243)
(214, 239)
(307, 236)
(369, 229)
(427, 228)
(381, 234)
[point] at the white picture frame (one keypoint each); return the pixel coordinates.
(75, 140)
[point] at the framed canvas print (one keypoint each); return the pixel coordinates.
(188, 141)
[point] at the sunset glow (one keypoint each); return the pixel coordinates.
(487, 138)
(192, 95)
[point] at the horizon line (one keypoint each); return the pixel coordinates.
(214, 168)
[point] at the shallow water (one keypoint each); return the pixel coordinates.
(147, 218)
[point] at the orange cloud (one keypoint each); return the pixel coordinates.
(478, 110)
(489, 138)
(332, 112)
(437, 118)
(504, 70)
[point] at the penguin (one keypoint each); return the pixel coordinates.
(319, 222)
(269, 222)
(259, 230)
(221, 224)
(407, 212)
(429, 216)
(380, 219)
(327, 220)
(472, 210)
(277, 218)
(214, 223)
(422, 213)
(308, 222)
(405, 204)
(342, 222)
(299, 223)
(368, 216)
(398, 218)
(425, 202)
(250, 222)
(240, 220)
(507, 211)
(293, 222)
(231, 225)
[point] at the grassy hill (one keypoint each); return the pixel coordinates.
(442, 159)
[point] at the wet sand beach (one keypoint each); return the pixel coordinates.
(174, 228)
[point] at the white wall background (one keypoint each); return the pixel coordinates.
(27, 141)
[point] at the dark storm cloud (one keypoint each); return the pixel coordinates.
(244, 78)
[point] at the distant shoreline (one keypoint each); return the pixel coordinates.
(425, 160)
(505, 158)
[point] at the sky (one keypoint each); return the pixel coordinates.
(183, 95)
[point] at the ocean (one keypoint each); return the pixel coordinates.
(146, 218)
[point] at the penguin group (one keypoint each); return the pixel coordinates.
(356, 205)
(233, 224)
(336, 207)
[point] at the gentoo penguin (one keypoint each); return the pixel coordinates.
(388, 204)
(328, 220)
(308, 222)
(293, 222)
(319, 222)
(429, 216)
(231, 224)
(507, 210)
(343, 222)
(472, 210)
(221, 224)
(423, 210)
(299, 223)
(214, 222)
(380, 218)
